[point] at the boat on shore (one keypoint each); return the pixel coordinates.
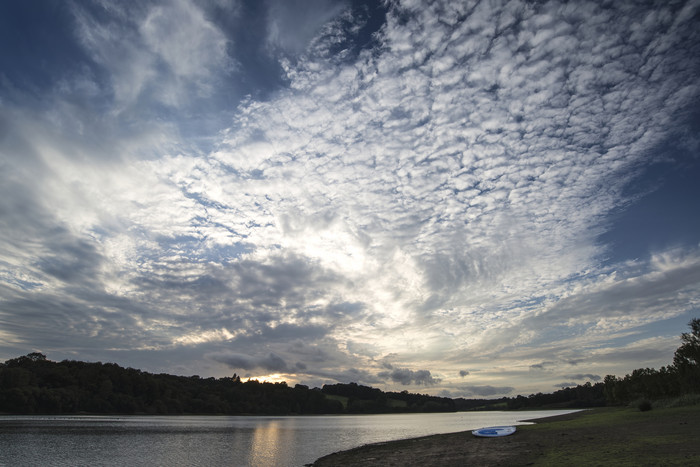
(494, 431)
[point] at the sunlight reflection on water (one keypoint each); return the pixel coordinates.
(264, 449)
(217, 441)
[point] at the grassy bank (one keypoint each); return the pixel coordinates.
(607, 436)
(618, 436)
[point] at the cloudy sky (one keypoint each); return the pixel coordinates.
(457, 198)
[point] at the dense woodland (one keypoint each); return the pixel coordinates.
(32, 384)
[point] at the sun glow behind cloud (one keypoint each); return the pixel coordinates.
(428, 201)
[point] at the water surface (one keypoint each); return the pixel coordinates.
(218, 441)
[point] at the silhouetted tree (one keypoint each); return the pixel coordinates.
(647, 383)
(687, 358)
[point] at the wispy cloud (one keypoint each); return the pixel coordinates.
(432, 188)
(154, 54)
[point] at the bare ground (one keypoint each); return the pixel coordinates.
(597, 437)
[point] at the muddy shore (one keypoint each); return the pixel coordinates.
(549, 442)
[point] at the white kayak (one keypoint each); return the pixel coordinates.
(494, 431)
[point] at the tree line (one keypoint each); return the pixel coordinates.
(32, 384)
(643, 385)
(680, 378)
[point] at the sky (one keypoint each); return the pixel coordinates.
(465, 199)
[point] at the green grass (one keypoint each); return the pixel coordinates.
(598, 437)
(343, 400)
(396, 403)
(621, 437)
(681, 401)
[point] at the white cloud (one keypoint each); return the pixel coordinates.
(181, 36)
(438, 199)
(160, 53)
(292, 24)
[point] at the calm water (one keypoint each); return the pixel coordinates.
(217, 441)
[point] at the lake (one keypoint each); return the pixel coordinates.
(218, 440)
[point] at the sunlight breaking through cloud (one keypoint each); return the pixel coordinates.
(426, 185)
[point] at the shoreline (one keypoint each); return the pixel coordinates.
(446, 449)
(451, 449)
(605, 436)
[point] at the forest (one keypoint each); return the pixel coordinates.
(33, 384)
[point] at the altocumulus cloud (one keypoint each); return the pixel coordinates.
(425, 182)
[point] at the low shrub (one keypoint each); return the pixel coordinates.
(644, 406)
